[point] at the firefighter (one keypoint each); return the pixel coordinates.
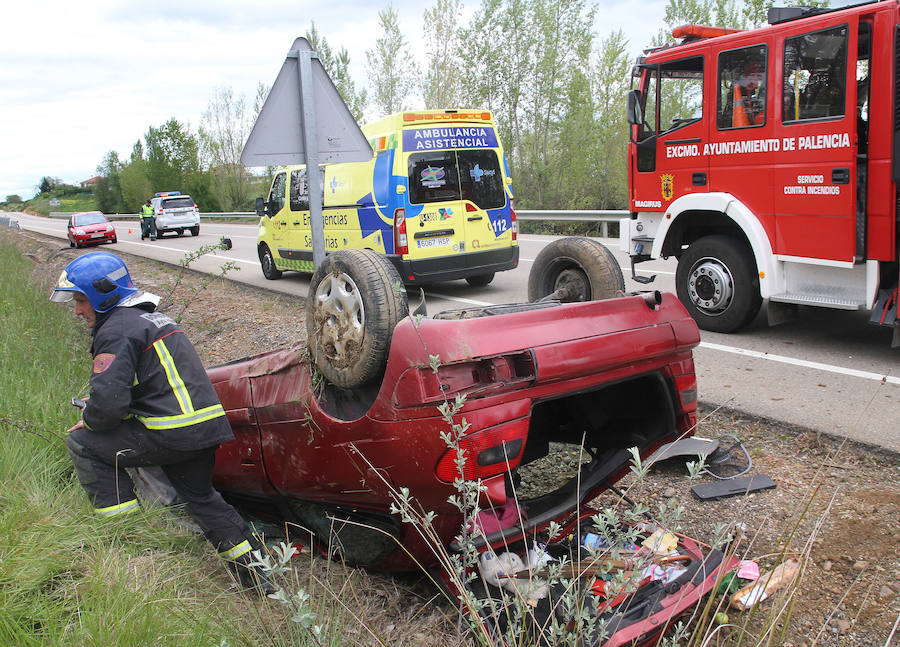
(151, 404)
(148, 222)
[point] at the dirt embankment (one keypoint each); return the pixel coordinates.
(838, 502)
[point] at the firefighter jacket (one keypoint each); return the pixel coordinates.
(145, 366)
(146, 211)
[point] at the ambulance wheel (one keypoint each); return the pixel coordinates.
(480, 280)
(717, 281)
(356, 297)
(575, 269)
(268, 264)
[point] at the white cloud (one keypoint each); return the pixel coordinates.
(80, 80)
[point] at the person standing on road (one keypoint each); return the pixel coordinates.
(148, 222)
(151, 404)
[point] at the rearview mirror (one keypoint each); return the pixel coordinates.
(260, 207)
(633, 112)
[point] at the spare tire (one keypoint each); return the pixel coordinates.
(575, 269)
(356, 297)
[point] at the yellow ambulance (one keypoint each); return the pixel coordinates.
(436, 198)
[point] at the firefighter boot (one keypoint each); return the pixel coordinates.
(248, 576)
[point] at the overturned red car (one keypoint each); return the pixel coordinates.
(600, 376)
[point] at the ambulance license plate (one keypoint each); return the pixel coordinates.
(434, 242)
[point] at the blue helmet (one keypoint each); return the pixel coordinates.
(100, 276)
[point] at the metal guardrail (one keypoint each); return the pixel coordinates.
(602, 217)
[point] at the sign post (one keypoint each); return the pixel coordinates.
(305, 121)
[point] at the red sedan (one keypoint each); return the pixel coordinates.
(89, 227)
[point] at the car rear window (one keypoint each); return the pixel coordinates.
(178, 203)
(89, 219)
(441, 176)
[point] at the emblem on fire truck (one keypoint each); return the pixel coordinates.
(667, 189)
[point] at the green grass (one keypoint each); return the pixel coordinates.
(72, 203)
(68, 577)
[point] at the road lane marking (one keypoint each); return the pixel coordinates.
(233, 258)
(852, 372)
(471, 302)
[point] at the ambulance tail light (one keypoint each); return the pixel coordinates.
(470, 208)
(514, 225)
(400, 243)
(486, 453)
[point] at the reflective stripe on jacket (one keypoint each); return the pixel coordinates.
(146, 211)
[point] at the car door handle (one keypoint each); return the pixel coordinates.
(840, 176)
(474, 218)
(698, 179)
(296, 222)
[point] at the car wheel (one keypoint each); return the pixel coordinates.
(181, 232)
(717, 282)
(480, 280)
(575, 269)
(71, 243)
(195, 231)
(356, 297)
(268, 264)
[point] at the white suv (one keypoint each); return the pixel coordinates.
(175, 211)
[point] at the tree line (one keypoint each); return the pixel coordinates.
(556, 89)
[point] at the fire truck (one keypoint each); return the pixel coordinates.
(767, 160)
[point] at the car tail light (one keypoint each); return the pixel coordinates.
(476, 378)
(514, 228)
(486, 453)
(686, 387)
(400, 244)
(159, 212)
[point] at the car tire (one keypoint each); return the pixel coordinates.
(267, 262)
(195, 231)
(717, 281)
(71, 243)
(356, 298)
(480, 280)
(581, 267)
(180, 232)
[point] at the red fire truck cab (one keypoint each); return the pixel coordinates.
(762, 161)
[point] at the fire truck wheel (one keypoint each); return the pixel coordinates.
(268, 264)
(717, 282)
(356, 297)
(575, 269)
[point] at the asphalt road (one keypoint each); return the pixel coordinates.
(828, 370)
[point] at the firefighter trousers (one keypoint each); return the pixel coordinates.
(101, 459)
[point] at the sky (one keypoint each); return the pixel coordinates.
(78, 80)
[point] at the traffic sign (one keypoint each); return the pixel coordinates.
(277, 136)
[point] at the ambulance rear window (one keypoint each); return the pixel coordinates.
(444, 176)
